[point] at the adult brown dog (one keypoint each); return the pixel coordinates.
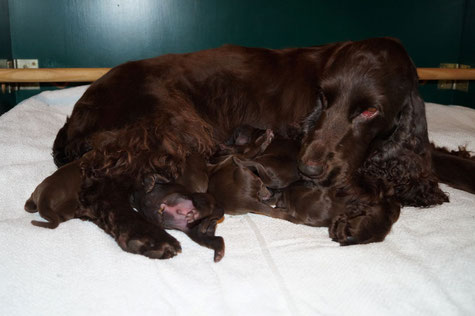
(362, 124)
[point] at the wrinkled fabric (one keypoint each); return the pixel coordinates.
(426, 265)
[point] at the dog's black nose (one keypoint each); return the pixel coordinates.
(312, 170)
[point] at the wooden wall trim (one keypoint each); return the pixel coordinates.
(91, 74)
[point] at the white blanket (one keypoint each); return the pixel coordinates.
(426, 265)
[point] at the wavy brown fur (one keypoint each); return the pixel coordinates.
(149, 115)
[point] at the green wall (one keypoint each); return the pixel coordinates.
(87, 33)
(467, 53)
(5, 40)
(6, 100)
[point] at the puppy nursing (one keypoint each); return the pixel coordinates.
(179, 206)
(251, 171)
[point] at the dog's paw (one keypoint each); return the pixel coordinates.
(158, 246)
(349, 229)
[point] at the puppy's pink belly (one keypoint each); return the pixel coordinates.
(179, 216)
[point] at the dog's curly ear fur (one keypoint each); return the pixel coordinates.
(400, 165)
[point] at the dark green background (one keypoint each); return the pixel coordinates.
(89, 33)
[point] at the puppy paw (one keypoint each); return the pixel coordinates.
(218, 246)
(207, 226)
(30, 206)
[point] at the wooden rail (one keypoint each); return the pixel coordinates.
(52, 74)
(91, 74)
(445, 74)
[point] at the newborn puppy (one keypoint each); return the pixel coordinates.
(172, 206)
(304, 203)
(277, 164)
(236, 188)
(272, 157)
(247, 141)
(195, 175)
(56, 198)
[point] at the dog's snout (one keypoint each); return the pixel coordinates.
(311, 170)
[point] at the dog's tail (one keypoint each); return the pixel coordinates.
(47, 213)
(455, 168)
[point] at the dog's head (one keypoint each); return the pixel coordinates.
(365, 90)
(369, 123)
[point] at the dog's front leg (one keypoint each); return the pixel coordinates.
(364, 222)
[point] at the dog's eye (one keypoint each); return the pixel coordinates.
(369, 112)
(323, 100)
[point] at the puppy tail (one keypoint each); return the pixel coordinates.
(455, 168)
(47, 213)
(51, 224)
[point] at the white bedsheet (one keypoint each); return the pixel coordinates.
(426, 265)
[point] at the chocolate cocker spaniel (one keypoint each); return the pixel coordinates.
(354, 107)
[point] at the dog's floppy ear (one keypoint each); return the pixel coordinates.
(400, 164)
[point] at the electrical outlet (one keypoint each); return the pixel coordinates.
(460, 85)
(4, 63)
(27, 63)
(6, 87)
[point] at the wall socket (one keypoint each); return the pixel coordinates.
(6, 87)
(460, 85)
(4, 63)
(27, 63)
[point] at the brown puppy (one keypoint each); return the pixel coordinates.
(308, 204)
(236, 188)
(304, 203)
(272, 156)
(277, 164)
(195, 175)
(173, 206)
(247, 141)
(56, 198)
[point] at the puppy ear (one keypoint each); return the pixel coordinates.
(150, 180)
